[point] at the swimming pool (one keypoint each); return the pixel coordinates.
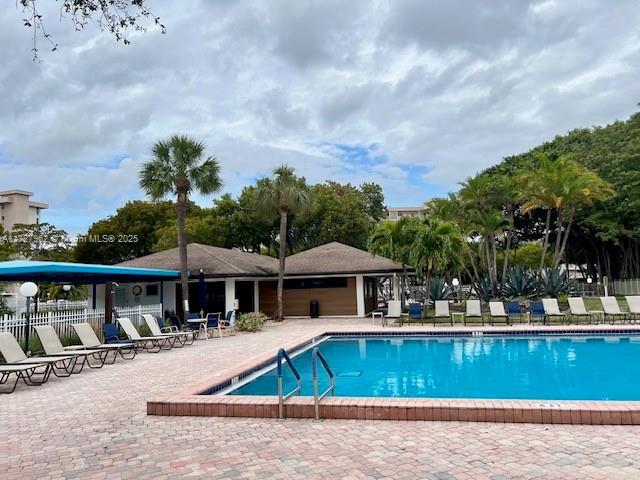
(493, 367)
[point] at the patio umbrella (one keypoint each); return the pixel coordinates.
(202, 292)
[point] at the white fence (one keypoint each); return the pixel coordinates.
(630, 286)
(62, 320)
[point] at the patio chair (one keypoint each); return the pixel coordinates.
(578, 310)
(552, 310)
(496, 309)
(633, 301)
(149, 344)
(90, 340)
(536, 312)
(416, 312)
(612, 310)
(61, 366)
(474, 310)
(394, 311)
(514, 310)
(442, 311)
(229, 323)
(181, 337)
(27, 373)
(53, 348)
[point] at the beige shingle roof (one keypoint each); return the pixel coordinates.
(215, 261)
(331, 258)
(338, 258)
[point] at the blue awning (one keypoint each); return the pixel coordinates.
(61, 272)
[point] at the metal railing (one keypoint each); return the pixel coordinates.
(315, 356)
(282, 354)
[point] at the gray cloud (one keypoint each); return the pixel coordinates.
(443, 88)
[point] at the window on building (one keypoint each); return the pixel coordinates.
(152, 290)
(331, 282)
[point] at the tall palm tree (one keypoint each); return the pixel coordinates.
(284, 193)
(178, 167)
(489, 224)
(392, 239)
(436, 247)
(560, 185)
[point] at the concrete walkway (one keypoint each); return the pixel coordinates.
(94, 425)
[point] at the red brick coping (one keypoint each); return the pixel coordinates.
(194, 400)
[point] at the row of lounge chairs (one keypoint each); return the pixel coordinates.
(65, 361)
(545, 311)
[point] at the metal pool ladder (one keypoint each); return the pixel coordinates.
(282, 354)
(315, 356)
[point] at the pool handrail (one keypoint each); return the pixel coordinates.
(282, 354)
(315, 355)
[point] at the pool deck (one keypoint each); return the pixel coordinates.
(95, 426)
(191, 400)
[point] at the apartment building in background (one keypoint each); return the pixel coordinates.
(17, 207)
(396, 213)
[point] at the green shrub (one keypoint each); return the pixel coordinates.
(250, 322)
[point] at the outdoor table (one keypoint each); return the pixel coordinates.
(599, 314)
(201, 325)
(379, 315)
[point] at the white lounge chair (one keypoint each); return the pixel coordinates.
(633, 301)
(578, 309)
(552, 310)
(149, 344)
(61, 366)
(442, 311)
(53, 348)
(474, 310)
(90, 340)
(612, 310)
(181, 337)
(27, 373)
(394, 311)
(496, 309)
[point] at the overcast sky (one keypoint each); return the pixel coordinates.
(413, 94)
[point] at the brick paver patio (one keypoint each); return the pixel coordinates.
(94, 425)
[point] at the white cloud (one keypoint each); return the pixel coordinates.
(442, 88)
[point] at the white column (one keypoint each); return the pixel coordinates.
(395, 287)
(360, 295)
(229, 294)
(256, 296)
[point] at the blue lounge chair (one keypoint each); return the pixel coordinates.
(514, 311)
(111, 333)
(415, 312)
(537, 312)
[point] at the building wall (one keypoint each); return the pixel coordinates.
(16, 207)
(398, 213)
(333, 301)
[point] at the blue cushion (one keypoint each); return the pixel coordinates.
(513, 308)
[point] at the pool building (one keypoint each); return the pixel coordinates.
(343, 279)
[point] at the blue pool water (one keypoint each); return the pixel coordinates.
(540, 367)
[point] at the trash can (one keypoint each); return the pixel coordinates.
(314, 309)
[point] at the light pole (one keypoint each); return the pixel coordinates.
(589, 282)
(28, 290)
(67, 289)
(455, 282)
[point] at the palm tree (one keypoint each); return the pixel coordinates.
(489, 224)
(560, 185)
(393, 240)
(437, 246)
(178, 167)
(284, 193)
